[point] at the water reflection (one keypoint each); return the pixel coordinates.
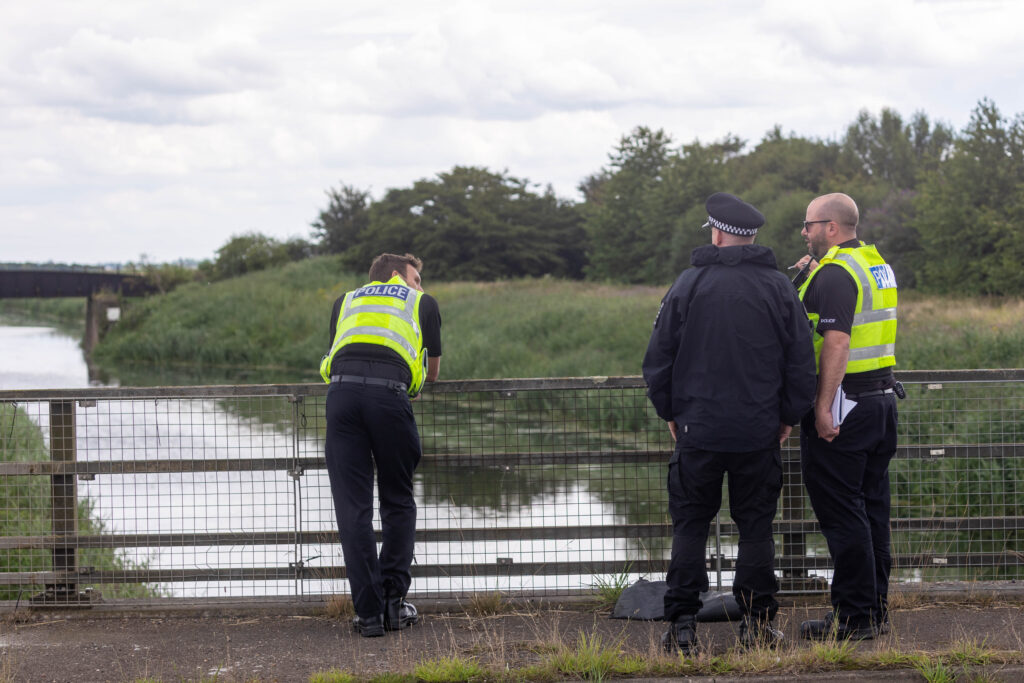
(499, 493)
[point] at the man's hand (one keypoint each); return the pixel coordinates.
(823, 422)
(803, 262)
(784, 432)
(672, 428)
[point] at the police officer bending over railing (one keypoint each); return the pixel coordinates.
(385, 343)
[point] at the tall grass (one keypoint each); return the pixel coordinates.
(967, 333)
(278, 319)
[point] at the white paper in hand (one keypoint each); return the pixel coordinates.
(841, 407)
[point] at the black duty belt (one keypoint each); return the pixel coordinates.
(866, 394)
(375, 381)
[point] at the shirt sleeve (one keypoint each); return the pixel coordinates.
(335, 312)
(833, 296)
(430, 321)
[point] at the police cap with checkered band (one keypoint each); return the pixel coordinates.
(731, 214)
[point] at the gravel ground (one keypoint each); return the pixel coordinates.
(290, 647)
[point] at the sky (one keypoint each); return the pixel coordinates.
(149, 130)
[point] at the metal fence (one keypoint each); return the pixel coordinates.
(529, 487)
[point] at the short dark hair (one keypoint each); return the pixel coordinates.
(385, 264)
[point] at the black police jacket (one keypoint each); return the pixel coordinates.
(730, 357)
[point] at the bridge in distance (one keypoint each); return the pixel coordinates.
(101, 289)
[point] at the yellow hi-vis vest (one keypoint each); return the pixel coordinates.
(873, 336)
(385, 313)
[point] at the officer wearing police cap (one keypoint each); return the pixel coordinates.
(729, 367)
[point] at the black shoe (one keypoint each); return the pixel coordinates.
(882, 627)
(759, 633)
(399, 614)
(369, 627)
(681, 636)
(824, 629)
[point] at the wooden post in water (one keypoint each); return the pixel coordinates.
(92, 323)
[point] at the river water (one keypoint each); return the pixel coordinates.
(40, 358)
(253, 502)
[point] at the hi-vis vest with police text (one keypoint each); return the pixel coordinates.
(385, 313)
(873, 336)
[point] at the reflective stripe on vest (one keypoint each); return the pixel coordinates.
(873, 335)
(389, 317)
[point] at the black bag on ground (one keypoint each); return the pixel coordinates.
(645, 600)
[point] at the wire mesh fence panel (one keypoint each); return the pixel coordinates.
(524, 490)
(958, 492)
(151, 497)
(530, 487)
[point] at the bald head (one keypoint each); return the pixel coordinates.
(831, 219)
(838, 207)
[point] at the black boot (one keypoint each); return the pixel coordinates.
(681, 635)
(399, 614)
(758, 632)
(824, 629)
(369, 627)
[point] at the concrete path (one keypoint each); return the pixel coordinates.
(291, 644)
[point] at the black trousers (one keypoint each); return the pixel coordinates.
(694, 498)
(847, 481)
(368, 425)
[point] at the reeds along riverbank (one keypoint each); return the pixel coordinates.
(540, 327)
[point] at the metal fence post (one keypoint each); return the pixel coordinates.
(63, 504)
(296, 472)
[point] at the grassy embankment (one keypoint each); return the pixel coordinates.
(523, 328)
(279, 319)
(25, 501)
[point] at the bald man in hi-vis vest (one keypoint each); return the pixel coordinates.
(848, 439)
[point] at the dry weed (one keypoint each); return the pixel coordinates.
(7, 668)
(907, 600)
(339, 607)
(487, 604)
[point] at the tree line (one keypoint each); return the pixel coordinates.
(943, 207)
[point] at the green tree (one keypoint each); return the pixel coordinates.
(248, 253)
(784, 163)
(970, 209)
(473, 224)
(891, 152)
(780, 176)
(890, 227)
(616, 203)
(643, 211)
(342, 224)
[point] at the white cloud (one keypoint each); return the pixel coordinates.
(164, 128)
